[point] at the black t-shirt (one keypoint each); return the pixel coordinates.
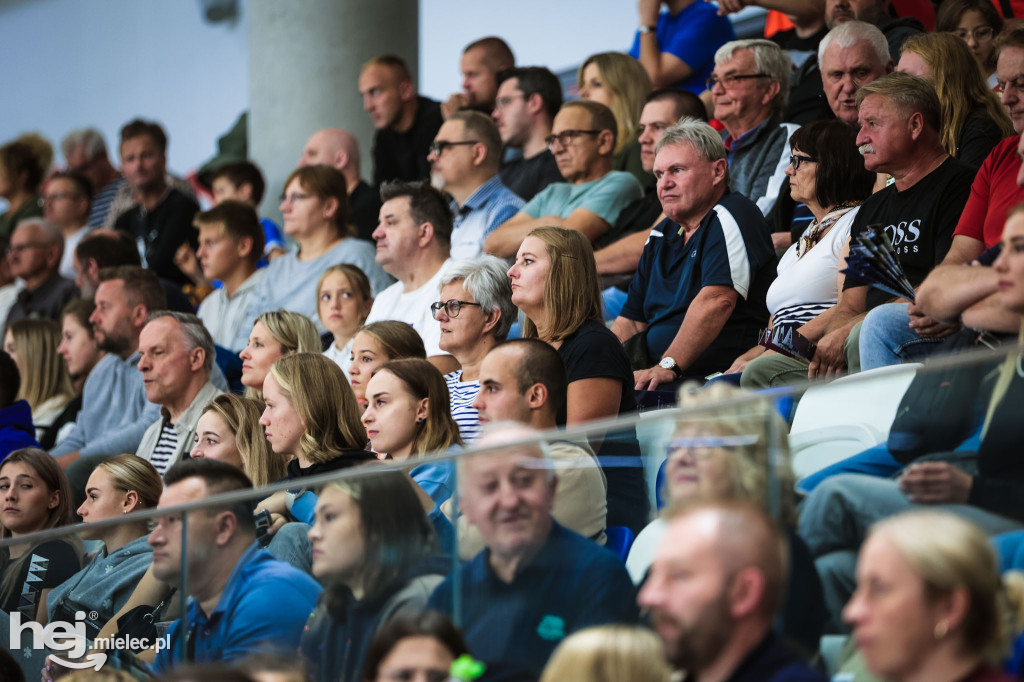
(403, 156)
(351, 458)
(789, 40)
(638, 215)
(527, 177)
(161, 231)
(919, 220)
(977, 138)
(364, 202)
(594, 352)
(51, 564)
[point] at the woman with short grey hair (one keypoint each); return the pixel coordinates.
(475, 312)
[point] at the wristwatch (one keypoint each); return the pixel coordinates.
(646, 28)
(670, 364)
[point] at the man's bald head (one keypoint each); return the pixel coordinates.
(332, 147)
(744, 537)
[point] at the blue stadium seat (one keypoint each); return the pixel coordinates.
(619, 540)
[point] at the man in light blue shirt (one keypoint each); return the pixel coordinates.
(464, 162)
(583, 141)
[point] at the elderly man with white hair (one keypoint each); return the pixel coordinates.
(176, 355)
(34, 256)
(522, 592)
(749, 89)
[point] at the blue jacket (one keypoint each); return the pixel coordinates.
(16, 429)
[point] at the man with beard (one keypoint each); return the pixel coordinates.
(115, 412)
(713, 591)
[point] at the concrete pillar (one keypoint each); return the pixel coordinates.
(304, 61)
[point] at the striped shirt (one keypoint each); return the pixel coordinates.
(166, 448)
(462, 394)
(101, 202)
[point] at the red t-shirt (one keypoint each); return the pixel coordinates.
(993, 194)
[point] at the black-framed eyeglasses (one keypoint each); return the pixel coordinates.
(437, 149)
(795, 160)
(731, 80)
(1015, 83)
(567, 136)
(452, 307)
(982, 34)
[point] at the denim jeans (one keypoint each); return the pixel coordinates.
(887, 339)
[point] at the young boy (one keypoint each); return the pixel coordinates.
(230, 245)
(243, 181)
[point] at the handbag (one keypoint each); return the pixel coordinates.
(139, 624)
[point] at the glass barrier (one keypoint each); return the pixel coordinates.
(503, 536)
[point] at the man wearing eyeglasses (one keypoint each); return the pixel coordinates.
(464, 163)
(34, 256)
(589, 201)
(749, 88)
(66, 205)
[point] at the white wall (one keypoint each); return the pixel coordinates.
(71, 63)
(553, 33)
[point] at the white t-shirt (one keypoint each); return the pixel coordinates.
(223, 316)
(342, 357)
(413, 307)
(810, 282)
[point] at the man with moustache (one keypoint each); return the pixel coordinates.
(713, 592)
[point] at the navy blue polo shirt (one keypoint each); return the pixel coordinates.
(264, 607)
(733, 248)
(571, 584)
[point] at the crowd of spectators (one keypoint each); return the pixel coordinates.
(521, 262)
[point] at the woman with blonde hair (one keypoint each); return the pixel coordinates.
(229, 429)
(617, 81)
(929, 603)
(731, 444)
(118, 486)
(312, 416)
(274, 335)
(973, 118)
(608, 653)
(45, 382)
(408, 416)
(315, 212)
(377, 343)
(554, 285)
